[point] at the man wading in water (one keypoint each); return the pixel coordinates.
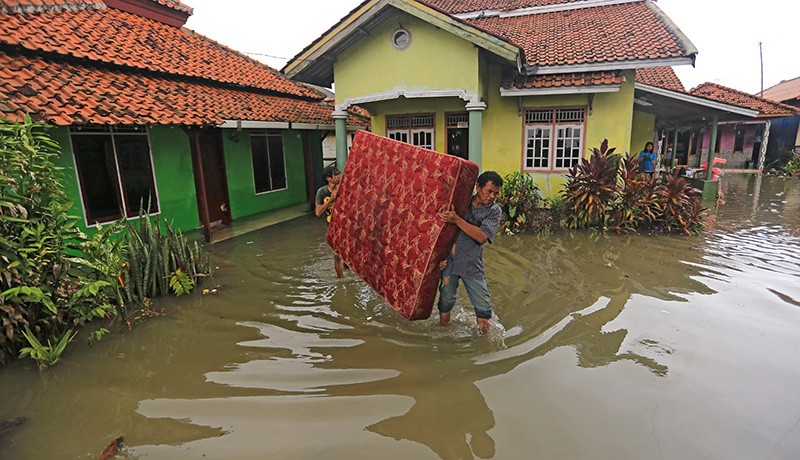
(326, 196)
(465, 261)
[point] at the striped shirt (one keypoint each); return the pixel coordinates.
(467, 262)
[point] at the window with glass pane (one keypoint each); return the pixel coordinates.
(553, 138)
(115, 173)
(269, 165)
(414, 129)
(537, 150)
(568, 147)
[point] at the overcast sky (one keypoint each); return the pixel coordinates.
(725, 33)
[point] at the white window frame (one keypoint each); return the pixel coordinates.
(559, 118)
(403, 129)
(267, 135)
(111, 131)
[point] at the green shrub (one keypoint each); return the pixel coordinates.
(607, 192)
(522, 204)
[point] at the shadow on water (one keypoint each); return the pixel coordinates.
(626, 345)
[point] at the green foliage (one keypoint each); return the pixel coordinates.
(45, 355)
(792, 166)
(523, 206)
(591, 189)
(157, 257)
(35, 234)
(608, 192)
(180, 282)
(44, 288)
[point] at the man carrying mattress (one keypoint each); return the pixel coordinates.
(465, 262)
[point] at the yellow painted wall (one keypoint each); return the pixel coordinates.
(611, 118)
(439, 106)
(435, 60)
(644, 126)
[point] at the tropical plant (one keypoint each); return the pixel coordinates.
(591, 188)
(608, 192)
(678, 206)
(45, 355)
(522, 204)
(35, 234)
(160, 260)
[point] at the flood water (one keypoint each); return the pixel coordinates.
(604, 347)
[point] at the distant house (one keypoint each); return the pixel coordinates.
(684, 129)
(147, 111)
(741, 141)
(785, 131)
(523, 85)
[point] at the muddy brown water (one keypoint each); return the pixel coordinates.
(605, 347)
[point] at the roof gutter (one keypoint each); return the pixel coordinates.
(560, 90)
(607, 66)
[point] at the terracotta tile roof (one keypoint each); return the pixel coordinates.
(564, 80)
(612, 33)
(111, 36)
(71, 93)
(663, 77)
(766, 107)
(784, 91)
(467, 6)
(175, 5)
(30, 6)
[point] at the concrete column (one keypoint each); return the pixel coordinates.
(763, 153)
(674, 150)
(475, 110)
(712, 146)
(340, 117)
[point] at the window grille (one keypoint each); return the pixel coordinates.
(457, 119)
(570, 115)
(539, 116)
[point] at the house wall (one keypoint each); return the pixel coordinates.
(435, 60)
(172, 163)
(642, 132)
(438, 106)
(241, 186)
(727, 137)
(611, 118)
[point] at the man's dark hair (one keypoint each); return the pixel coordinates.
(329, 171)
(490, 176)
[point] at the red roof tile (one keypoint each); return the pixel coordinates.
(467, 6)
(583, 79)
(735, 97)
(662, 77)
(70, 93)
(612, 33)
(115, 37)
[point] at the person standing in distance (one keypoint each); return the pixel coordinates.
(465, 262)
(326, 196)
(647, 159)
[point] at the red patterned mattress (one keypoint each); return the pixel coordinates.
(385, 223)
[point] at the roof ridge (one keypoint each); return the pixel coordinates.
(274, 71)
(51, 6)
(566, 5)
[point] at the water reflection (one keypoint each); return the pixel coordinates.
(605, 346)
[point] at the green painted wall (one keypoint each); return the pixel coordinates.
(436, 59)
(644, 125)
(172, 161)
(241, 187)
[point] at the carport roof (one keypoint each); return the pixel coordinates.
(676, 108)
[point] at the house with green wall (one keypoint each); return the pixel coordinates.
(149, 113)
(514, 85)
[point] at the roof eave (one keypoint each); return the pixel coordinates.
(608, 66)
(589, 89)
(316, 54)
(686, 97)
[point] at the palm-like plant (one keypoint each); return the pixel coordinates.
(591, 188)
